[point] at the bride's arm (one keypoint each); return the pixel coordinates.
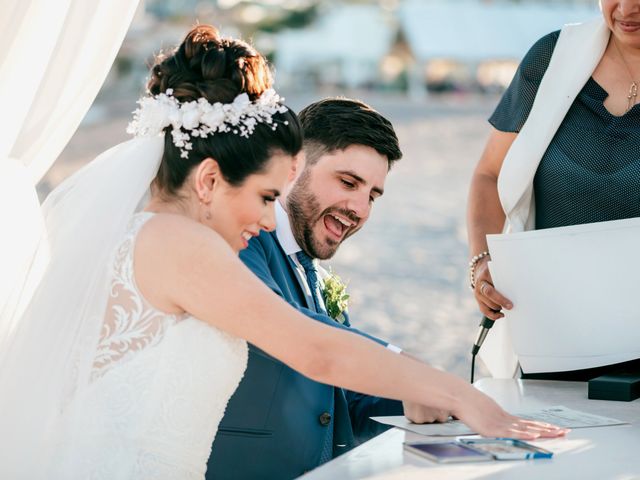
(199, 273)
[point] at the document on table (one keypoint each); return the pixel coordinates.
(558, 415)
(575, 294)
(452, 428)
(568, 418)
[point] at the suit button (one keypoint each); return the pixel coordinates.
(325, 419)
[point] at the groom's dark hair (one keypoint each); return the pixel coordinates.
(337, 123)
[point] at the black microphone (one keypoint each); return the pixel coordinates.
(485, 325)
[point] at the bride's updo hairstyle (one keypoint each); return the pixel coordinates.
(219, 69)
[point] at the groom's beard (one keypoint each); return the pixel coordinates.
(304, 214)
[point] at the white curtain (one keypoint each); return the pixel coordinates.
(54, 57)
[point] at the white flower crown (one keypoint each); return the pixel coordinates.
(201, 118)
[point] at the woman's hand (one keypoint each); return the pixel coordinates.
(490, 300)
(484, 216)
(484, 416)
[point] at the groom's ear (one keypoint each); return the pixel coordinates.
(297, 166)
(207, 176)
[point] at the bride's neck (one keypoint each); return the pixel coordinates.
(159, 204)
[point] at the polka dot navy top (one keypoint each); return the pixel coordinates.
(591, 169)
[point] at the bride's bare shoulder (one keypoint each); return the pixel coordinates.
(170, 232)
(169, 251)
(174, 254)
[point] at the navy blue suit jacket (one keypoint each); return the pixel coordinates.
(277, 420)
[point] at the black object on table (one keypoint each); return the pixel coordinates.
(618, 386)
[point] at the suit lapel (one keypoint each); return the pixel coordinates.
(297, 273)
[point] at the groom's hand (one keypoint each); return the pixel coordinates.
(420, 414)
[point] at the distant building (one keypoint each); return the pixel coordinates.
(344, 48)
(485, 39)
(436, 43)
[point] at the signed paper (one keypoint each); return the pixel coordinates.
(558, 415)
(575, 292)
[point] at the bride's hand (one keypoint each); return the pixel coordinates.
(484, 416)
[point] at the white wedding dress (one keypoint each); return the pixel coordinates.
(159, 387)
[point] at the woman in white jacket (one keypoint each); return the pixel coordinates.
(563, 149)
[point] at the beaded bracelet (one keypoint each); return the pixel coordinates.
(472, 268)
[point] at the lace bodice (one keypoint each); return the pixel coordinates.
(159, 386)
(131, 324)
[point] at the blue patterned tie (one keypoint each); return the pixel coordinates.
(311, 272)
(312, 279)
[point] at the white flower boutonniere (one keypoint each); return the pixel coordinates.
(336, 298)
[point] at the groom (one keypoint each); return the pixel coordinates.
(279, 424)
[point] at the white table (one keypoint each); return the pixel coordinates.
(593, 453)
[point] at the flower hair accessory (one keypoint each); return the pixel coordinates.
(201, 118)
(336, 298)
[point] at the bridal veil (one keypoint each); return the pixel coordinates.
(46, 359)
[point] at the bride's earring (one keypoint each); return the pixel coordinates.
(207, 213)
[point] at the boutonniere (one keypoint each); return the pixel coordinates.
(336, 298)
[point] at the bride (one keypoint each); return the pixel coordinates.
(122, 364)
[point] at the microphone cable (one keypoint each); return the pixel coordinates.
(485, 325)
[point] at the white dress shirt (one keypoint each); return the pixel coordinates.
(291, 248)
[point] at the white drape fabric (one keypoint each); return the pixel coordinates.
(576, 55)
(47, 357)
(55, 56)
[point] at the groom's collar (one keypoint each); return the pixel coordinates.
(284, 232)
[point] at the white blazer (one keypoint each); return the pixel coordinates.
(576, 55)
